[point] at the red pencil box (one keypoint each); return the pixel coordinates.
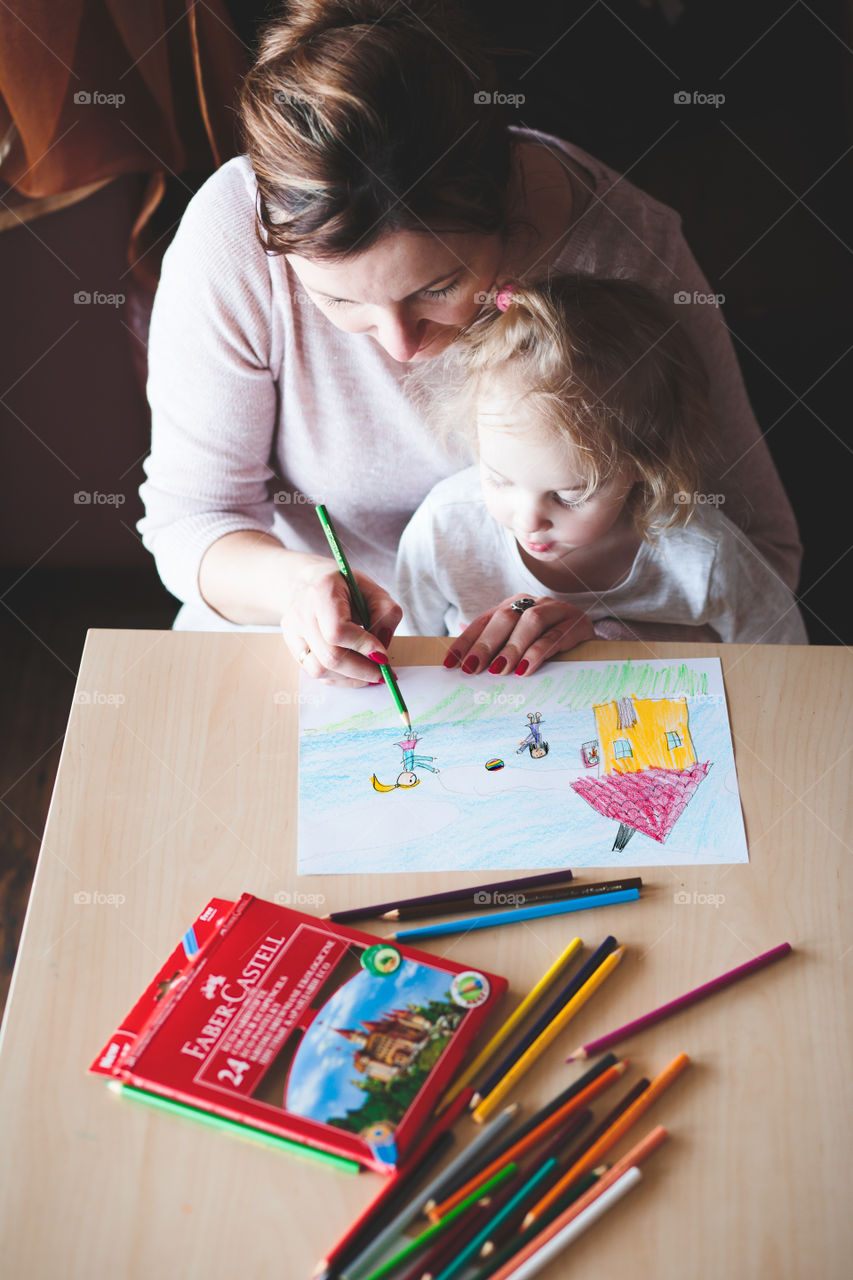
(304, 1028)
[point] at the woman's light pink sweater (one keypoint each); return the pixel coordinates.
(261, 407)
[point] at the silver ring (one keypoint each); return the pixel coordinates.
(303, 655)
(522, 603)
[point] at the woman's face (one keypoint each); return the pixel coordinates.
(412, 291)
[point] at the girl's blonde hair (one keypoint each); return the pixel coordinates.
(608, 367)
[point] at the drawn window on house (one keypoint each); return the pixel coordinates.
(621, 748)
(673, 740)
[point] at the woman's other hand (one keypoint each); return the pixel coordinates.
(504, 641)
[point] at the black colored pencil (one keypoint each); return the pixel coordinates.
(444, 1249)
(568, 1156)
(391, 1203)
(598, 1068)
(563, 996)
(377, 910)
(496, 1258)
(556, 893)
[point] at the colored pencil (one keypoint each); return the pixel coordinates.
(536, 1136)
(539, 912)
(548, 1109)
(514, 1019)
(682, 1002)
(398, 1187)
(539, 1173)
(578, 1225)
(390, 1264)
(636, 1156)
(562, 997)
(511, 1242)
(589, 1139)
(359, 606)
(569, 1128)
(460, 1164)
(379, 909)
(235, 1127)
(447, 1245)
(554, 893)
(548, 1036)
(592, 1156)
(472, 1248)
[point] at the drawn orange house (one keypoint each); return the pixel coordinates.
(649, 768)
(644, 733)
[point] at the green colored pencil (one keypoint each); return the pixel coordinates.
(469, 1252)
(443, 1223)
(359, 606)
(235, 1127)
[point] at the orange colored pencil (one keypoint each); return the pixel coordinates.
(646, 1147)
(609, 1139)
(532, 1139)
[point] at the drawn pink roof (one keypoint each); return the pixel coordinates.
(651, 801)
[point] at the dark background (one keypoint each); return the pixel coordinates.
(763, 184)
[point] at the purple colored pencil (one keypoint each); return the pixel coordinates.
(682, 1002)
(450, 895)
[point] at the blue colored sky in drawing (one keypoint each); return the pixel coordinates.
(524, 815)
(320, 1081)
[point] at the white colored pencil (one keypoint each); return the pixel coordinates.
(534, 1264)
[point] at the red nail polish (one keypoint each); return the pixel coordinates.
(452, 660)
(470, 665)
(522, 667)
(497, 666)
(381, 658)
(384, 637)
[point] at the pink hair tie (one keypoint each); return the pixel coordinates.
(504, 297)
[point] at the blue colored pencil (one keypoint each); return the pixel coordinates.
(535, 912)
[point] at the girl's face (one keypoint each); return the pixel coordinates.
(412, 291)
(532, 485)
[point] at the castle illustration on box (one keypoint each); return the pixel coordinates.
(389, 1045)
(376, 1042)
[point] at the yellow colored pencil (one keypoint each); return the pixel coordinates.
(558, 1023)
(516, 1017)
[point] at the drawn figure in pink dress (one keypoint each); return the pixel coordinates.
(407, 778)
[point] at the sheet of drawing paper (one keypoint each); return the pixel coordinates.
(585, 764)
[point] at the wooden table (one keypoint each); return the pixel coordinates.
(178, 782)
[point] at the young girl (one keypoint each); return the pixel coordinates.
(590, 410)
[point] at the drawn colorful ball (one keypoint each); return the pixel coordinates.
(491, 765)
(469, 989)
(381, 960)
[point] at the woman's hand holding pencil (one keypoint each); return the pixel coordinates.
(363, 615)
(318, 626)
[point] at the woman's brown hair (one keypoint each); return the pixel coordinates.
(361, 117)
(604, 364)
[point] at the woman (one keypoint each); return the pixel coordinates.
(380, 200)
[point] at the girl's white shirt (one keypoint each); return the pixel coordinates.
(455, 562)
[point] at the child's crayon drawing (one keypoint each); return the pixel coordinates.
(408, 777)
(534, 742)
(564, 768)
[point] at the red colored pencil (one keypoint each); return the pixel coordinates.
(352, 1241)
(444, 1249)
(682, 1002)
